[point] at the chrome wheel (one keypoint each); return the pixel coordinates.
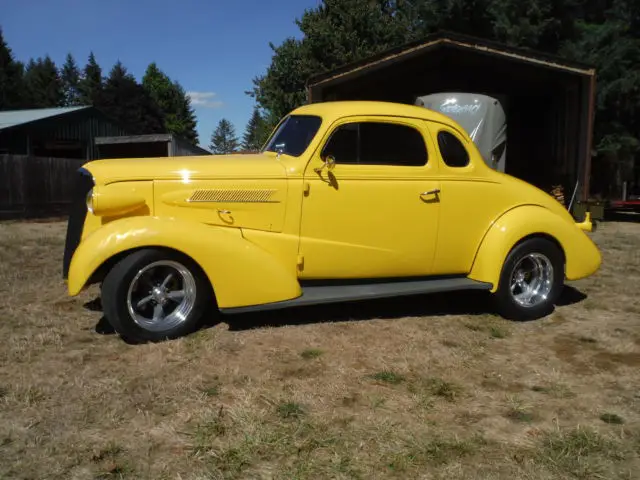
(531, 280)
(161, 295)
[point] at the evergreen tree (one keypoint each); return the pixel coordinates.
(43, 85)
(70, 76)
(254, 135)
(127, 102)
(223, 139)
(613, 46)
(91, 83)
(334, 33)
(186, 117)
(173, 101)
(11, 78)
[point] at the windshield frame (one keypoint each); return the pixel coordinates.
(271, 145)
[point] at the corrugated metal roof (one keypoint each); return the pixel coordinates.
(11, 118)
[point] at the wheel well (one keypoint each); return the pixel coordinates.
(107, 265)
(544, 236)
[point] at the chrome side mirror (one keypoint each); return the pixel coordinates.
(329, 164)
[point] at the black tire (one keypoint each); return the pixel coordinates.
(538, 252)
(194, 304)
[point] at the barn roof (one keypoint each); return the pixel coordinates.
(446, 39)
(13, 118)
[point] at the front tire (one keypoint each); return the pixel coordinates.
(153, 295)
(531, 280)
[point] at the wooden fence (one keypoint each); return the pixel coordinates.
(32, 187)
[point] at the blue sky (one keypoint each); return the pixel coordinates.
(213, 48)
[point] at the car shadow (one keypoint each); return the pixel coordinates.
(431, 305)
(471, 303)
(570, 296)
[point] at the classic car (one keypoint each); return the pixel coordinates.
(346, 201)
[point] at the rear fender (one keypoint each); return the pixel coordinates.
(240, 272)
(582, 257)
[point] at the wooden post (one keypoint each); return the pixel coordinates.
(591, 99)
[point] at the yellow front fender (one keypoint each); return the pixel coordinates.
(582, 257)
(240, 272)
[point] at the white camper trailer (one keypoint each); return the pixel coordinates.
(482, 117)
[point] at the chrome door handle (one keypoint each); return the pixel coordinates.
(435, 191)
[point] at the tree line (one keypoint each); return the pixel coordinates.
(157, 104)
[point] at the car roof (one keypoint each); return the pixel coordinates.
(337, 109)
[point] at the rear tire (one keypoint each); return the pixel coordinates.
(153, 295)
(531, 280)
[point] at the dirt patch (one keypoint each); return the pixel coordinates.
(586, 355)
(612, 361)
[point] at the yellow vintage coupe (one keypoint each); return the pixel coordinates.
(347, 201)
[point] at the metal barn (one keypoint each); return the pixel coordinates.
(549, 102)
(67, 132)
(153, 145)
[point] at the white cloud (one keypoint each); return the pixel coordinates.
(204, 99)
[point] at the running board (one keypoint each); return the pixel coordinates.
(316, 295)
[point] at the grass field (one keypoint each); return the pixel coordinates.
(426, 387)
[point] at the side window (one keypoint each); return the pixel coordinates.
(452, 150)
(343, 144)
(391, 144)
(377, 143)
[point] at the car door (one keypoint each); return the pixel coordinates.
(375, 213)
(469, 200)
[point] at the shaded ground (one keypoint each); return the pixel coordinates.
(428, 387)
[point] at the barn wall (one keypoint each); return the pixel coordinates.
(35, 186)
(132, 150)
(66, 136)
(182, 147)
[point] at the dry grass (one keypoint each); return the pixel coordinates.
(429, 387)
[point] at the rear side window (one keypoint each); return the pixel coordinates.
(452, 150)
(377, 143)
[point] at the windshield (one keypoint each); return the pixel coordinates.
(294, 134)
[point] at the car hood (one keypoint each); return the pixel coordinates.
(186, 168)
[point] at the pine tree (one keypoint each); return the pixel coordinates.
(127, 102)
(173, 101)
(223, 139)
(90, 86)
(186, 115)
(43, 85)
(158, 85)
(70, 76)
(254, 135)
(11, 78)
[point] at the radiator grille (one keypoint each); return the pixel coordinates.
(77, 216)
